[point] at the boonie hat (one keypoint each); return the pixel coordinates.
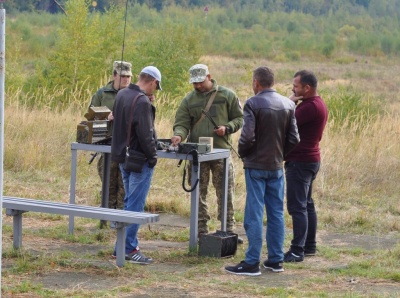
(198, 73)
(155, 73)
(123, 68)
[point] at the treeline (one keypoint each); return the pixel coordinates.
(68, 55)
(374, 8)
(74, 50)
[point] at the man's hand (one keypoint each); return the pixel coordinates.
(295, 98)
(151, 97)
(220, 130)
(175, 140)
(110, 116)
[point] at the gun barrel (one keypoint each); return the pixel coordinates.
(210, 118)
(216, 127)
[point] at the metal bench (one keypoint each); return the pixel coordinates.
(120, 218)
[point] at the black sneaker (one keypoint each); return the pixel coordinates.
(275, 267)
(290, 257)
(137, 257)
(244, 269)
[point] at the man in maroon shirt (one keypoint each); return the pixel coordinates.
(302, 165)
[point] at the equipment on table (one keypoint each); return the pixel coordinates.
(97, 129)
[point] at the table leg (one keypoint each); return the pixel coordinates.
(194, 208)
(225, 194)
(105, 187)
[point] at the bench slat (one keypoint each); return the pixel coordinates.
(108, 214)
(16, 202)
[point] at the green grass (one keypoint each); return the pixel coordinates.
(361, 265)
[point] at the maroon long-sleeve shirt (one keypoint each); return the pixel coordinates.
(311, 116)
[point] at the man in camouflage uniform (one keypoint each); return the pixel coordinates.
(225, 109)
(105, 96)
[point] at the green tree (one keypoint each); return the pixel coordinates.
(86, 45)
(173, 49)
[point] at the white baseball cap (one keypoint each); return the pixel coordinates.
(155, 73)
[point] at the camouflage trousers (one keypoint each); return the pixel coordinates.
(116, 190)
(216, 168)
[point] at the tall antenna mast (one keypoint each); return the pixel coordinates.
(2, 79)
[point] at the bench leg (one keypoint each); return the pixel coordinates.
(17, 230)
(120, 247)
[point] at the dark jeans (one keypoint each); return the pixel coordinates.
(300, 205)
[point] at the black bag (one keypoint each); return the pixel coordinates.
(134, 161)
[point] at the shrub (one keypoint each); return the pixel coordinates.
(173, 50)
(348, 107)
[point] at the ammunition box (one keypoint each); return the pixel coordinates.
(91, 132)
(185, 148)
(220, 244)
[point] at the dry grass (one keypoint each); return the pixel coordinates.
(356, 191)
(358, 181)
(377, 77)
(357, 186)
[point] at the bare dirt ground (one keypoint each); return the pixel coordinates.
(90, 279)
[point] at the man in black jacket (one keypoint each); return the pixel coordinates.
(268, 134)
(134, 128)
(105, 96)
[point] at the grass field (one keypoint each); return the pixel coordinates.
(357, 189)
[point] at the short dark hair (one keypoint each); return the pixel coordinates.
(264, 76)
(146, 77)
(307, 78)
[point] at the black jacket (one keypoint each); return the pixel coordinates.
(269, 131)
(143, 136)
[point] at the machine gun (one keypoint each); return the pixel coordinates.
(207, 114)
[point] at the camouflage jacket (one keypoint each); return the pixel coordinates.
(225, 110)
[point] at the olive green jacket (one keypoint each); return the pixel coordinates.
(105, 96)
(225, 110)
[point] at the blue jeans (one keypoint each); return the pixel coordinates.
(264, 188)
(136, 186)
(300, 205)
